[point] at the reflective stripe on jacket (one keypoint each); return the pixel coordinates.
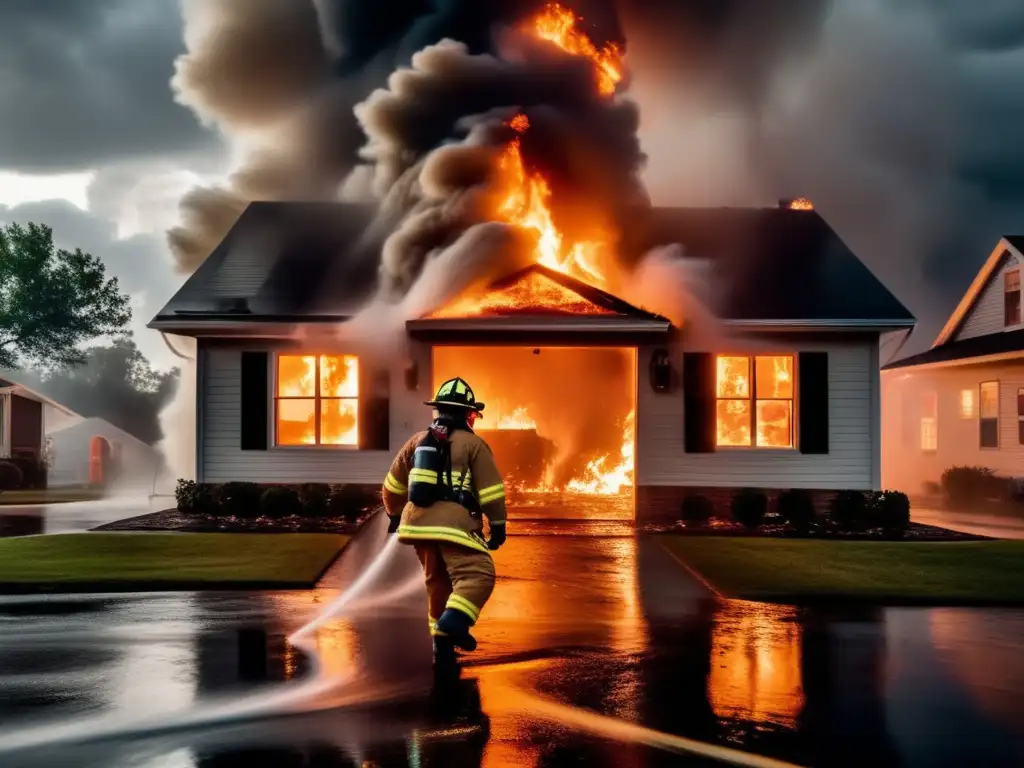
(473, 468)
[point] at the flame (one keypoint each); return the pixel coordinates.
(769, 408)
(518, 419)
(298, 397)
(801, 204)
(600, 478)
(557, 25)
(529, 294)
(525, 204)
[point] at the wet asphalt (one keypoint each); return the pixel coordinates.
(597, 649)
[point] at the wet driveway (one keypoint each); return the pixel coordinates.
(596, 650)
(73, 516)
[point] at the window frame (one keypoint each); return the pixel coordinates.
(931, 398)
(1020, 415)
(794, 420)
(317, 399)
(1007, 293)
(982, 419)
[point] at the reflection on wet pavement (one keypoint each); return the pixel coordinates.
(597, 650)
(73, 516)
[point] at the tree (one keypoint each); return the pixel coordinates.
(116, 383)
(53, 301)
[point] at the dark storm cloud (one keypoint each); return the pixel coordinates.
(87, 82)
(140, 263)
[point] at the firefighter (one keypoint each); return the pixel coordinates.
(440, 486)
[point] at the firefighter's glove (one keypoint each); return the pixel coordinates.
(393, 523)
(497, 536)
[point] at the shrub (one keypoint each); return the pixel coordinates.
(891, 512)
(240, 499)
(749, 508)
(697, 509)
(11, 476)
(931, 488)
(849, 510)
(185, 495)
(966, 486)
(797, 508)
(207, 499)
(348, 501)
(313, 497)
(280, 501)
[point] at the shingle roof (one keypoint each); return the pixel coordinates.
(979, 346)
(775, 264)
(311, 261)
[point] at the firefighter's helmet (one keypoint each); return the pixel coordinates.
(456, 392)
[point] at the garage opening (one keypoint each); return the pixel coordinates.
(561, 424)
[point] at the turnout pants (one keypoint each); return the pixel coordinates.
(457, 577)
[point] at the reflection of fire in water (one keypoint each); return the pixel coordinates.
(764, 405)
(308, 385)
(755, 666)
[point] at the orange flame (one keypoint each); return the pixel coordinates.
(801, 204)
(764, 411)
(558, 25)
(526, 204)
(299, 399)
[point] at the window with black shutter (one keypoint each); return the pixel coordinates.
(988, 423)
(813, 402)
(699, 402)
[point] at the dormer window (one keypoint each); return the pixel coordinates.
(1011, 297)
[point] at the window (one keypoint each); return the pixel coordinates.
(930, 422)
(989, 422)
(1011, 296)
(1020, 416)
(967, 408)
(317, 400)
(755, 401)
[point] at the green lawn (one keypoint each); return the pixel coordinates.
(780, 570)
(50, 496)
(152, 561)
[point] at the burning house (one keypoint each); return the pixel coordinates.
(628, 354)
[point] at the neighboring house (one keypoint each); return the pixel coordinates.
(962, 401)
(789, 397)
(24, 415)
(138, 463)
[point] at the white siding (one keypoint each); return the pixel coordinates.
(850, 463)
(221, 458)
(986, 316)
(959, 443)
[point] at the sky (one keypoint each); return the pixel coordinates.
(901, 118)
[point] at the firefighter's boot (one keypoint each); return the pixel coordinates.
(456, 624)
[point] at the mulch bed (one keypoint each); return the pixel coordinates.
(774, 530)
(173, 520)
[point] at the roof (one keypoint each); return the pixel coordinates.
(12, 387)
(317, 262)
(579, 311)
(976, 349)
(981, 280)
(775, 265)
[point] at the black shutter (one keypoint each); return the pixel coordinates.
(255, 400)
(374, 409)
(699, 402)
(812, 402)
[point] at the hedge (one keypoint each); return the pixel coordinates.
(252, 500)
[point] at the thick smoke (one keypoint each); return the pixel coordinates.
(877, 110)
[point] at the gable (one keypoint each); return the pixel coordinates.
(985, 315)
(534, 291)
